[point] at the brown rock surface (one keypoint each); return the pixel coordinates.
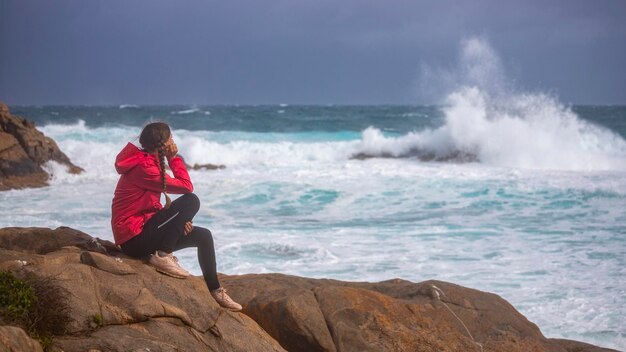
(23, 151)
(394, 315)
(15, 339)
(122, 304)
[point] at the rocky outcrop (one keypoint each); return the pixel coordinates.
(122, 304)
(396, 315)
(23, 151)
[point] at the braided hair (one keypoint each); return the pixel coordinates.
(153, 138)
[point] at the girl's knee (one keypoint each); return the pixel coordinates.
(191, 200)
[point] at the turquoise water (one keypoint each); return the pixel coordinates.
(528, 203)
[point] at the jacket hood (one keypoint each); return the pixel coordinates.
(130, 157)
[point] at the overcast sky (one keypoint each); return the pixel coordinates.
(299, 51)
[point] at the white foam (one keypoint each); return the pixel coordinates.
(197, 149)
(93, 149)
(57, 171)
(529, 131)
(58, 129)
(186, 111)
(486, 119)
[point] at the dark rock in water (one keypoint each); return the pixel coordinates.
(456, 156)
(204, 167)
(121, 304)
(23, 151)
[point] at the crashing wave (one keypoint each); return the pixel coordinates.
(488, 122)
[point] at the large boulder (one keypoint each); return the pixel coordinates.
(23, 151)
(118, 303)
(396, 315)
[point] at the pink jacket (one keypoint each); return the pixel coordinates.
(138, 192)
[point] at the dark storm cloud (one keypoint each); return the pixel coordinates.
(157, 52)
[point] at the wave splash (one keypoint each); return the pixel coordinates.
(486, 121)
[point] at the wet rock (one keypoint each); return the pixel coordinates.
(204, 167)
(23, 151)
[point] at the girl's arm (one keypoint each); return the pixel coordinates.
(150, 178)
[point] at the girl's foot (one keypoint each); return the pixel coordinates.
(168, 265)
(224, 300)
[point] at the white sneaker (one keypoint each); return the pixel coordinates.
(168, 265)
(224, 300)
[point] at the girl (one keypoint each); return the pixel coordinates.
(142, 226)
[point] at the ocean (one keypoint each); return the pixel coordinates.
(524, 197)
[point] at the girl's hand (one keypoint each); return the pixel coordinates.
(171, 149)
(188, 228)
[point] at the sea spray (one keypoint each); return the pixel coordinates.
(529, 131)
(488, 121)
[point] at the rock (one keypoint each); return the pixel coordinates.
(485, 314)
(127, 305)
(23, 151)
(103, 262)
(42, 240)
(394, 315)
(563, 345)
(15, 339)
(369, 321)
(302, 326)
(455, 156)
(204, 166)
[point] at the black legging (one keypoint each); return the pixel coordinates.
(164, 232)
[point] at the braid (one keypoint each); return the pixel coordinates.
(168, 201)
(153, 138)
